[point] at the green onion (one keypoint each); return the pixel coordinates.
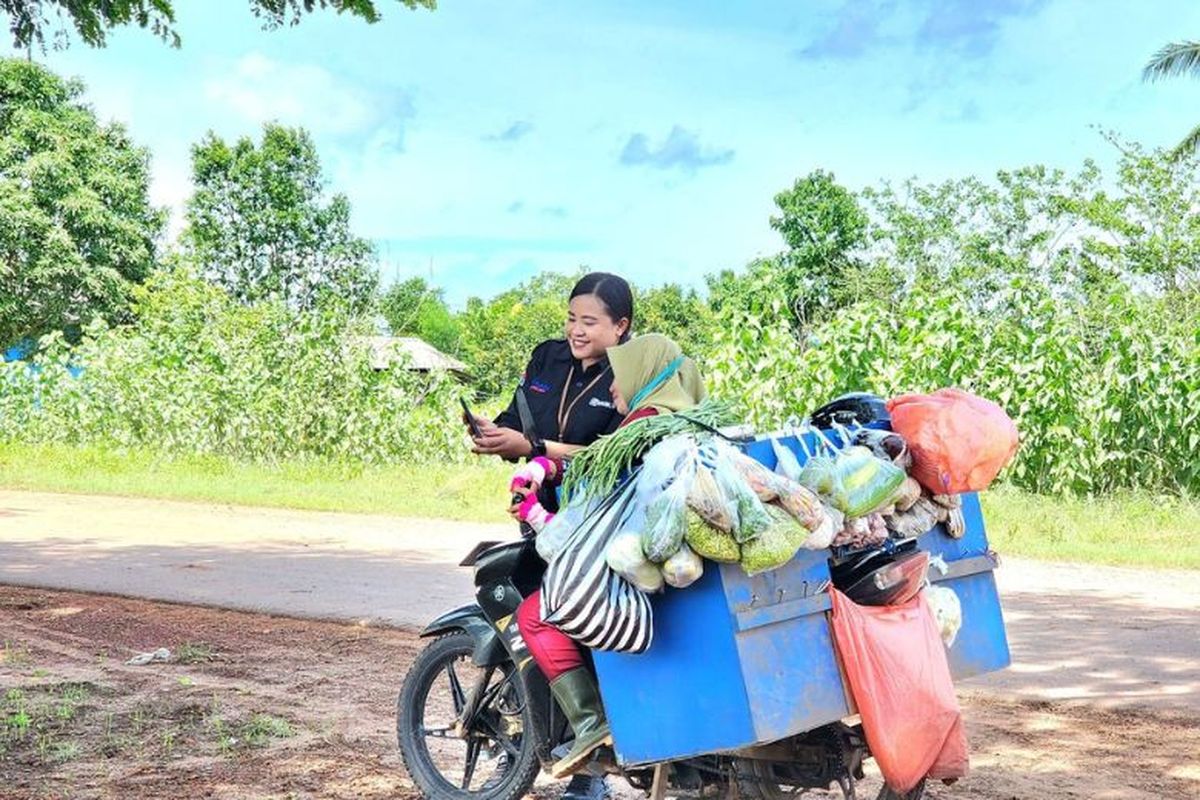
(595, 471)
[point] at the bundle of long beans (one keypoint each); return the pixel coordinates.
(595, 471)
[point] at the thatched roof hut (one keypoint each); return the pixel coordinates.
(418, 355)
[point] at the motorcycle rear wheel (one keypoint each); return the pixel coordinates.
(760, 783)
(446, 764)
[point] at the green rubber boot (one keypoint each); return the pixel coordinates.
(579, 698)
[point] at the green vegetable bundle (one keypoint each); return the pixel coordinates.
(855, 481)
(596, 470)
(711, 543)
(776, 545)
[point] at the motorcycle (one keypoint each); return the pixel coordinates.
(475, 719)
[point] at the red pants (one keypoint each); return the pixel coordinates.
(553, 650)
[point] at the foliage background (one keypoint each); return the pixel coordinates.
(199, 373)
(77, 229)
(1071, 298)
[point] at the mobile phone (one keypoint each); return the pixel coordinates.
(476, 431)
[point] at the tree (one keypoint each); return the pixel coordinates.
(415, 308)
(499, 334)
(1173, 60)
(977, 235)
(93, 19)
(258, 223)
(1147, 221)
(77, 230)
(825, 228)
(824, 267)
(676, 312)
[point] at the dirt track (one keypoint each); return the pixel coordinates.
(270, 707)
(1101, 635)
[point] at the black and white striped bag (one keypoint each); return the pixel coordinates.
(584, 598)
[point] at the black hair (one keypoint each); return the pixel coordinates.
(613, 291)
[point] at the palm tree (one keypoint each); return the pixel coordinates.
(1173, 60)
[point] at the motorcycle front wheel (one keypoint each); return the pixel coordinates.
(491, 757)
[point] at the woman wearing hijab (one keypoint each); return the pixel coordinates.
(650, 376)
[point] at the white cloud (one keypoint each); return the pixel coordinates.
(260, 89)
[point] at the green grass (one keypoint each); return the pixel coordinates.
(1126, 529)
(14, 654)
(194, 653)
(476, 491)
(1132, 529)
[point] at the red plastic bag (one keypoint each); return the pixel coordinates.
(959, 442)
(898, 674)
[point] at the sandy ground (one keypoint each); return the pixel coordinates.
(272, 707)
(304, 563)
(1097, 635)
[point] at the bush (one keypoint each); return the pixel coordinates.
(1105, 391)
(499, 335)
(201, 374)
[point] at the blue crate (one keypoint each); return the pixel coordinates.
(739, 661)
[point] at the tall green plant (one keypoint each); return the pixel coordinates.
(202, 374)
(1106, 392)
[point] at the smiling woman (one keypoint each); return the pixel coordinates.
(567, 384)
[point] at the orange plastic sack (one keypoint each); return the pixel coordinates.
(959, 442)
(898, 674)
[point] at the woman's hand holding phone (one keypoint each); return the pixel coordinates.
(478, 426)
(504, 442)
(490, 439)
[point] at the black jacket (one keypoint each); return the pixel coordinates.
(587, 407)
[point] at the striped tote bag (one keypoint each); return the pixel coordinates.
(584, 598)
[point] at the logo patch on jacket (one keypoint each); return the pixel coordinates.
(596, 402)
(541, 387)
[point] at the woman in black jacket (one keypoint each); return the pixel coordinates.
(567, 381)
(567, 388)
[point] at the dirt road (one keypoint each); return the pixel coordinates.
(303, 563)
(255, 707)
(1103, 636)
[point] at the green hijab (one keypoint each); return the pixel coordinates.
(651, 371)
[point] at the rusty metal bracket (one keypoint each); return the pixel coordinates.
(965, 567)
(757, 617)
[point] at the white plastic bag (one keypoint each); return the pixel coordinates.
(822, 536)
(776, 545)
(624, 555)
(710, 502)
(666, 523)
(947, 611)
(551, 538)
(752, 517)
(665, 496)
(786, 463)
(683, 569)
(664, 463)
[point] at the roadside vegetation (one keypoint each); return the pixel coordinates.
(47, 724)
(229, 366)
(469, 492)
(1126, 528)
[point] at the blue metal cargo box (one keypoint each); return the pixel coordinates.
(738, 661)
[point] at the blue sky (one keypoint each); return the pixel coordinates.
(484, 142)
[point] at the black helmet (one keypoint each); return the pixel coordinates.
(855, 408)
